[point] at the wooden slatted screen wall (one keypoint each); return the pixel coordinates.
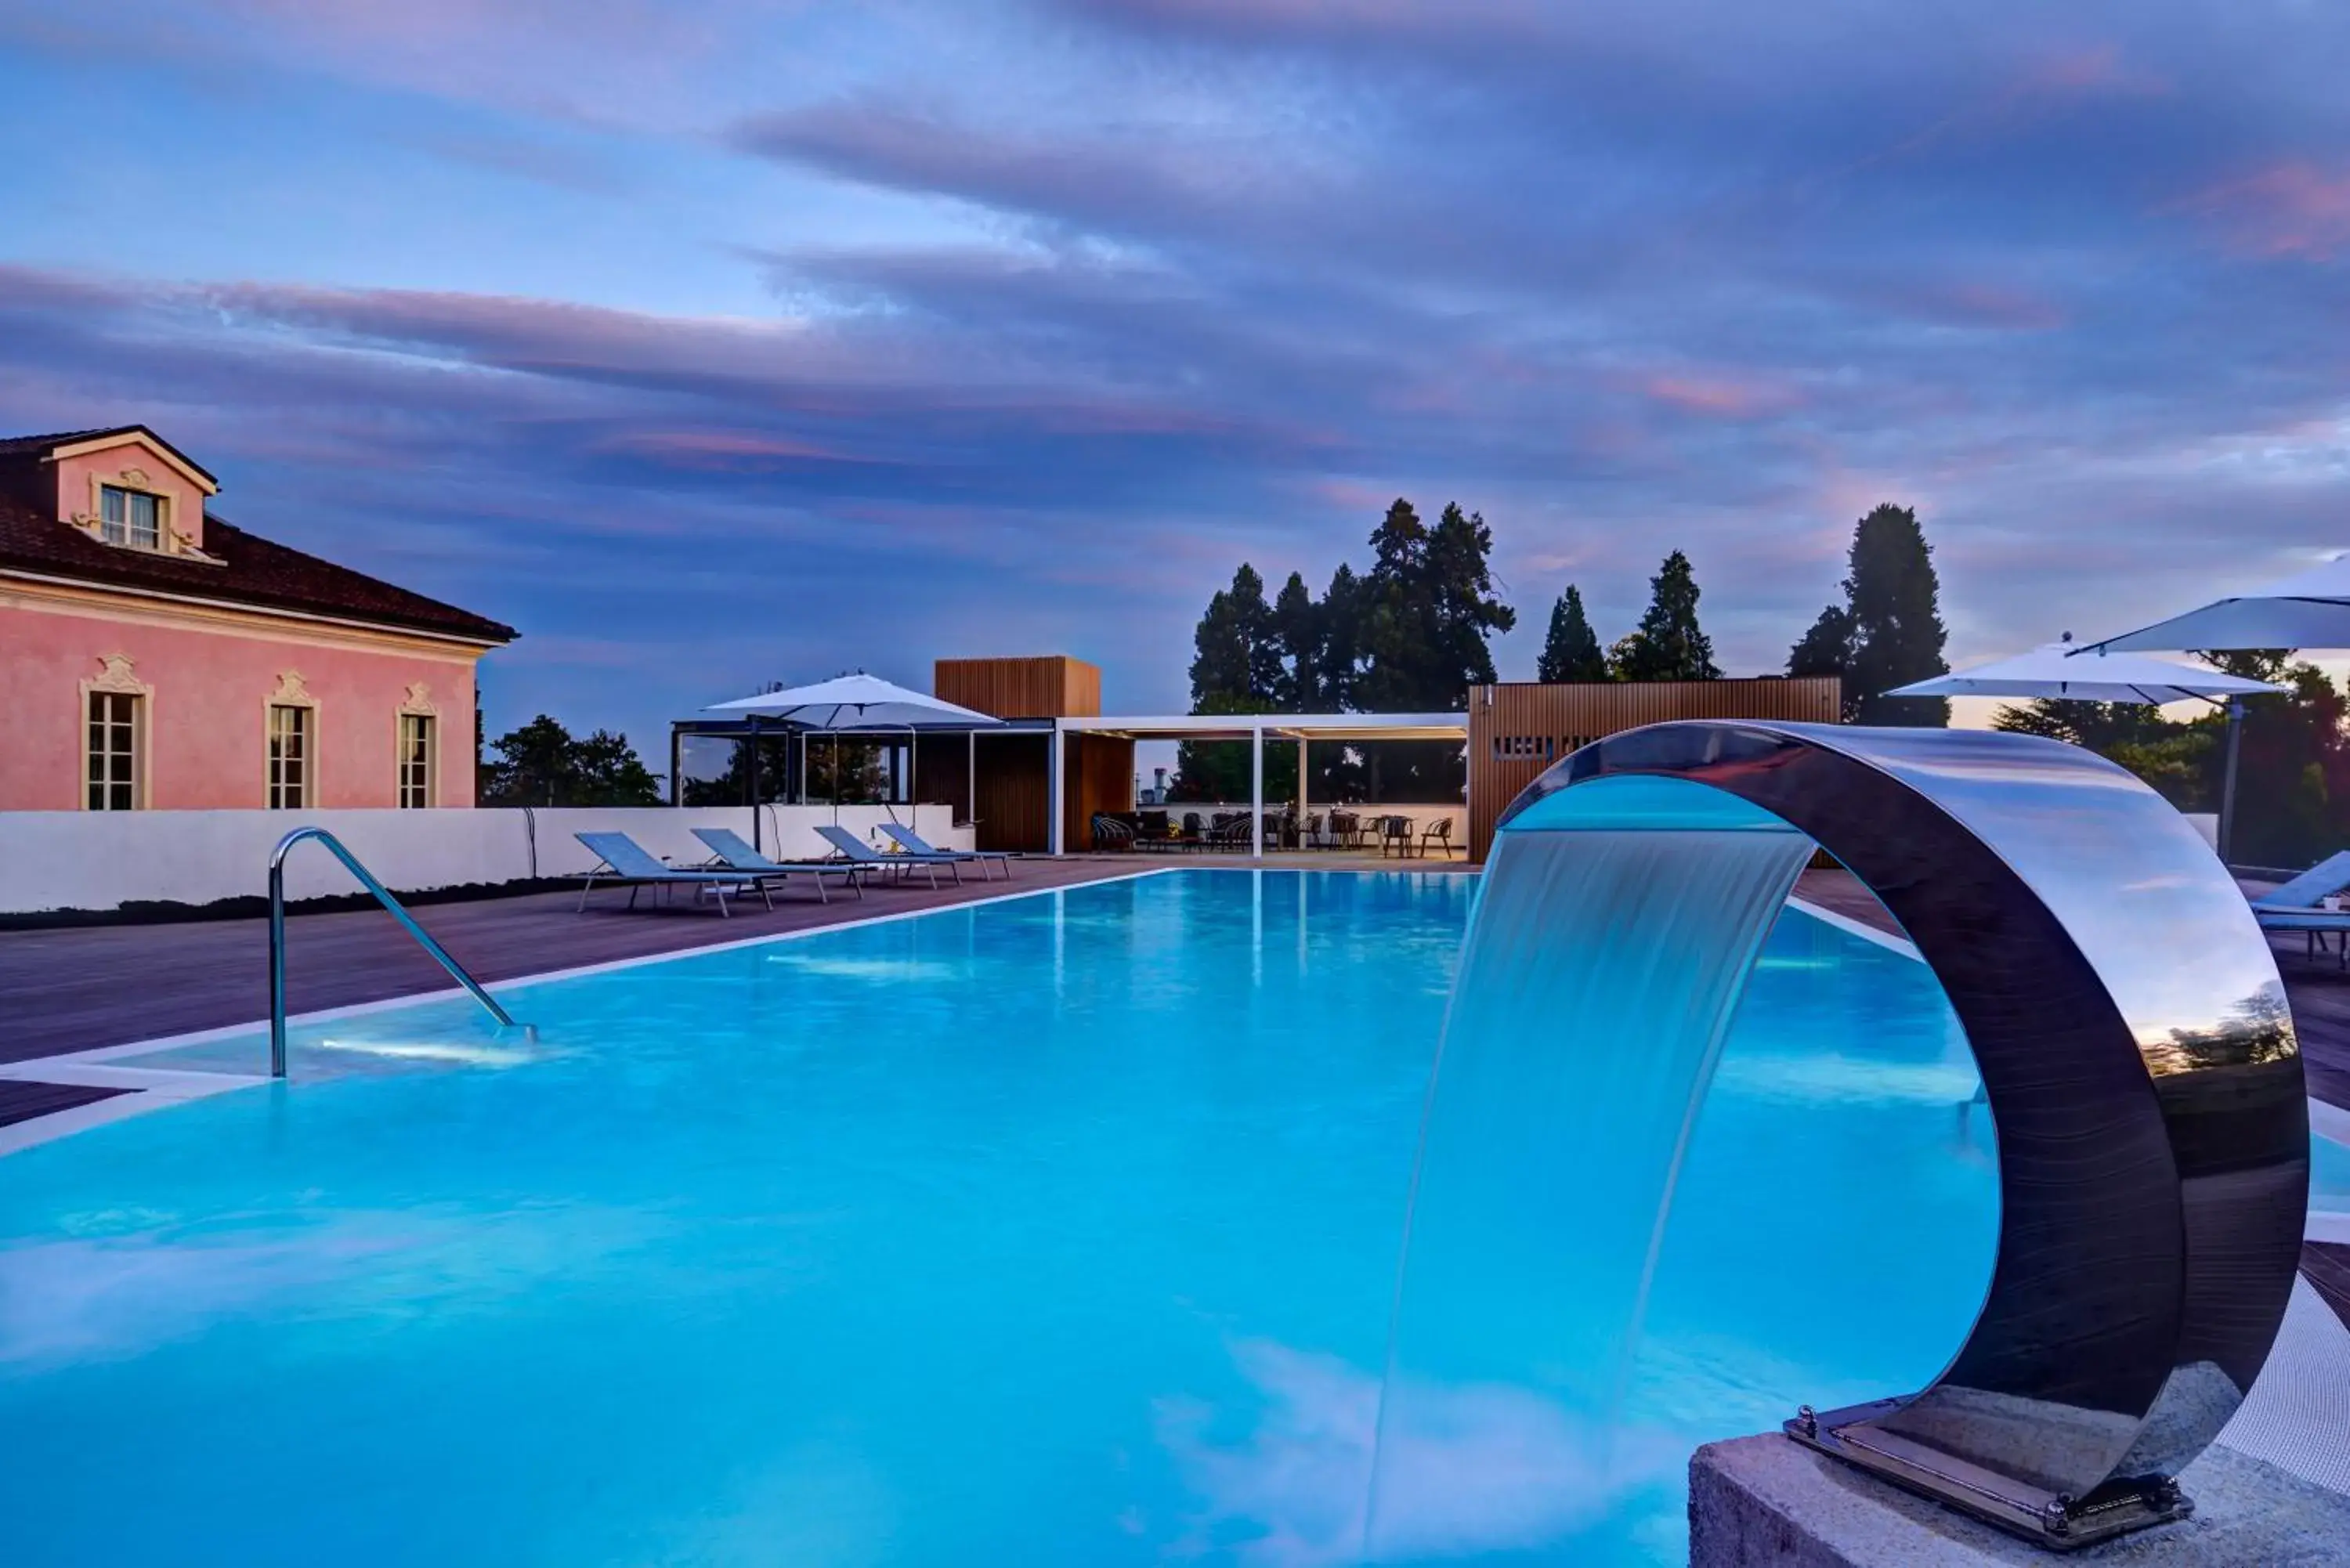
(1053, 686)
(1517, 730)
(1100, 777)
(1015, 808)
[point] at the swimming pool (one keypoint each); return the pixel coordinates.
(1061, 1229)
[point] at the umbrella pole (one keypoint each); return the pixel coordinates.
(755, 783)
(2228, 781)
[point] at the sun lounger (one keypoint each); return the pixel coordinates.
(2328, 877)
(855, 851)
(911, 842)
(2295, 905)
(622, 859)
(2313, 925)
(728, 850)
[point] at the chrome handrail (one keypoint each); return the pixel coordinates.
(382, 895)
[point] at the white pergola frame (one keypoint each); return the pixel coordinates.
(1253, 727)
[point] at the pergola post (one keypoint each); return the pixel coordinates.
(752, 775)
(1302, 743)
(1053, 791)
(2227, 845)
(1256, 790)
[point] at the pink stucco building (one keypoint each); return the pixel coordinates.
(153, 656)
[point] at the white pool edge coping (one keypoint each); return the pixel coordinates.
(158, 1088)
(1853, 928)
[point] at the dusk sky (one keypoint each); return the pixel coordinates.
(715, 344)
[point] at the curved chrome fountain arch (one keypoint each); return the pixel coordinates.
(2140, 1068)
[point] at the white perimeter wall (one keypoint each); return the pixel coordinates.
(101, 859)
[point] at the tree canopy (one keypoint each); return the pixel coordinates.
(1667, 644)
(542, 764)
(2293, 776)
(1236, 662)
(1571, 651)
(1409, 634)
(1237, 667)
(1889, 631)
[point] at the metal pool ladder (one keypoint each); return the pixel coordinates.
(382, 895)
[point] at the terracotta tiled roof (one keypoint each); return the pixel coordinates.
(39, 445)
(247, 568)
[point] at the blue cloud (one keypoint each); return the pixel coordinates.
(860, 339)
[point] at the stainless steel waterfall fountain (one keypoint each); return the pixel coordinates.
(2140, 1068)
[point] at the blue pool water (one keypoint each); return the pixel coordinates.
(2329, 1176)
(1062, 1229)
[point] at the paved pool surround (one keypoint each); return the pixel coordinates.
(1767, 1501)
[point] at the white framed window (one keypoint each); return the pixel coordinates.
(131, 517)
(417, 745)
(113, 751)
(289, 756)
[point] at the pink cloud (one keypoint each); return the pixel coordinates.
(1350, 495)
(1723, 395)
(593, 60)
(2286, 210)
(2094, 68)
(718, 448)
(1995, 305)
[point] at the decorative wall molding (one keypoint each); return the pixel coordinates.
(291, 693)
(118, 674)
(419, 700)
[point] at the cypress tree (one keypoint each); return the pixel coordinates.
(1571, 651)
(1668, 645)
(1296, 628)
(1235, 668)
(1236, 660)
(1889, 631)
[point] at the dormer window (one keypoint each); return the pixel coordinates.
(131, 517)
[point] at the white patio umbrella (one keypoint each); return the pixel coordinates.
(853, 703)
(2090, 673)
(2062, 670)
(2308, 610)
